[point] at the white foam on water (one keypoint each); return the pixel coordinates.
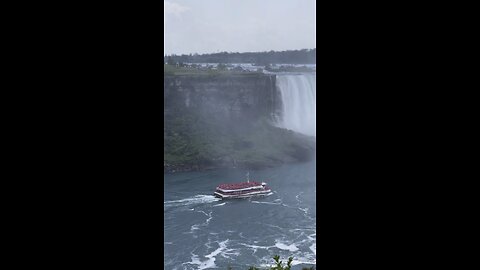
(208, 219)
(303, 261)
(201, 265)
(284, 246)
(208, 244)
(300, 235)
(230, 252)
(266, 265)
(271, 225)
(209, 215)
(198, 199)
(303, 229)
(193, 228)
(313, 248)
(266, 202)
(210, 262)
(296, 197)
(305, 213)
(203, 212)
(255, 247)
(220, 204)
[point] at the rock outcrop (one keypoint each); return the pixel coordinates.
(226, 121)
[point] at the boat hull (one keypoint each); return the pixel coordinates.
(242, 190)
(242, 196)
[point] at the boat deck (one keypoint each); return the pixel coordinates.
(239, 185)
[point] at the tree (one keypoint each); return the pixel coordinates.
(170, 61)
(279, 264)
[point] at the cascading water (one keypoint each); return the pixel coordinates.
(298, 97)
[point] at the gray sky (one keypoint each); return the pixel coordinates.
(207, 26)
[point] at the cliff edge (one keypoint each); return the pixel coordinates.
(227, 121)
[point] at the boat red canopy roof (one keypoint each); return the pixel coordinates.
(239, 185)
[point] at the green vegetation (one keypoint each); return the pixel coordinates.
(280, 266)
(222, 69)
(289, 69)
(224, 122)
(190, 140)
(209, 71)
(304, 56)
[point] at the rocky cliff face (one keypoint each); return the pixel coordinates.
(226, 121)
(240, 98)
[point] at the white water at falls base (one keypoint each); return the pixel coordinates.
(298, 94)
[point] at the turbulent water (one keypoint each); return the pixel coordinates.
(298, 94)
(204, 232)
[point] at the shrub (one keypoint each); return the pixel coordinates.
(279, 265)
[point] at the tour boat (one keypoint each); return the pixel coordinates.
(242, 190)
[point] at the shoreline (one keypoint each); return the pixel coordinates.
(179, 168)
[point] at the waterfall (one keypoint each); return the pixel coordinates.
(298, 98)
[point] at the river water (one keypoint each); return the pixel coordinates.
(204, 232)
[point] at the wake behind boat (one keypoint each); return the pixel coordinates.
(242, 190)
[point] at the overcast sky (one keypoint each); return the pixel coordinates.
(207, 26)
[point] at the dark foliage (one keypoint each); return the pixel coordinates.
(304, 56)
(279, 265)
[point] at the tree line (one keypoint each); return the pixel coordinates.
(304, 56)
